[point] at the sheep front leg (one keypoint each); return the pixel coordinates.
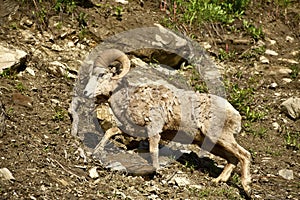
(108, 134)
(225, 175)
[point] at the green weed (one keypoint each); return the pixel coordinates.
(295, 71)
(196, 81)
(241, 99)
(198, 11)
(20, 87)
(59, 115)
(118, 12)
(292, 140)
(224, 55)
(66, 6)
(253, 31)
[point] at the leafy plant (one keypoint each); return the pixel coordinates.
(292, 140)
(59, 115)
(295, 71)
(241, 99)
(20, 87)
(67, 6)
(254, 32)
(198, 11)
(226, 55)
(118, 12)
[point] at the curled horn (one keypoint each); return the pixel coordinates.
(108, 56)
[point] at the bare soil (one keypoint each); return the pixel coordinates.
(36, 144)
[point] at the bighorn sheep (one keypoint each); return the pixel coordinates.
(161, 112)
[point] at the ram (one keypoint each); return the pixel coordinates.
(161, 111)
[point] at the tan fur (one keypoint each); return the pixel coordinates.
(199, 117)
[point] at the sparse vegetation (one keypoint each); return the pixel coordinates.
(20, 87)
(198, 11)
(226, 55)
(292, 140)
(118, 12)
(242, 99)
(253, 31)
(66, 6)
(295, 71)
(59, 115)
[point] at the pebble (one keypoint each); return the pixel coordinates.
(264, 60)
(289, 39)
(30, 71)
(93, 173)
(287, 80)
(22, 100)
(286, 174)
(55, 47)
(272, 42)
(273, 85)
(285, 70)
(291, 106)
(271, 52)
(6, 174)
(275, 125)
(291, 61)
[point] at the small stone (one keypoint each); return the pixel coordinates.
(199, 187)
(277, 94)
(22, 100)
(11, 58)
(286, 174)
(271, 52)
(6, 174)
(30, 71)
(205, 45)
(71, 44)
(264, 60)
(180, 179)
(291, 61)
(122, 1)
(55, 47)
(292, 107)
(285, 70)
(275, 125)
(287, 80)
(289, 39)
(63, 35)
(273, 85)
(272, 42)
(93, 173)
(295, 53)
(55, 102)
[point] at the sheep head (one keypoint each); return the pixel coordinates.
(103, 82)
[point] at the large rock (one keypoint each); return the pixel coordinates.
(292, 107)
(11, 58)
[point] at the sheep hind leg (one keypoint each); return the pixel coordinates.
(233, 152)
(154, 151)
(108, 134)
